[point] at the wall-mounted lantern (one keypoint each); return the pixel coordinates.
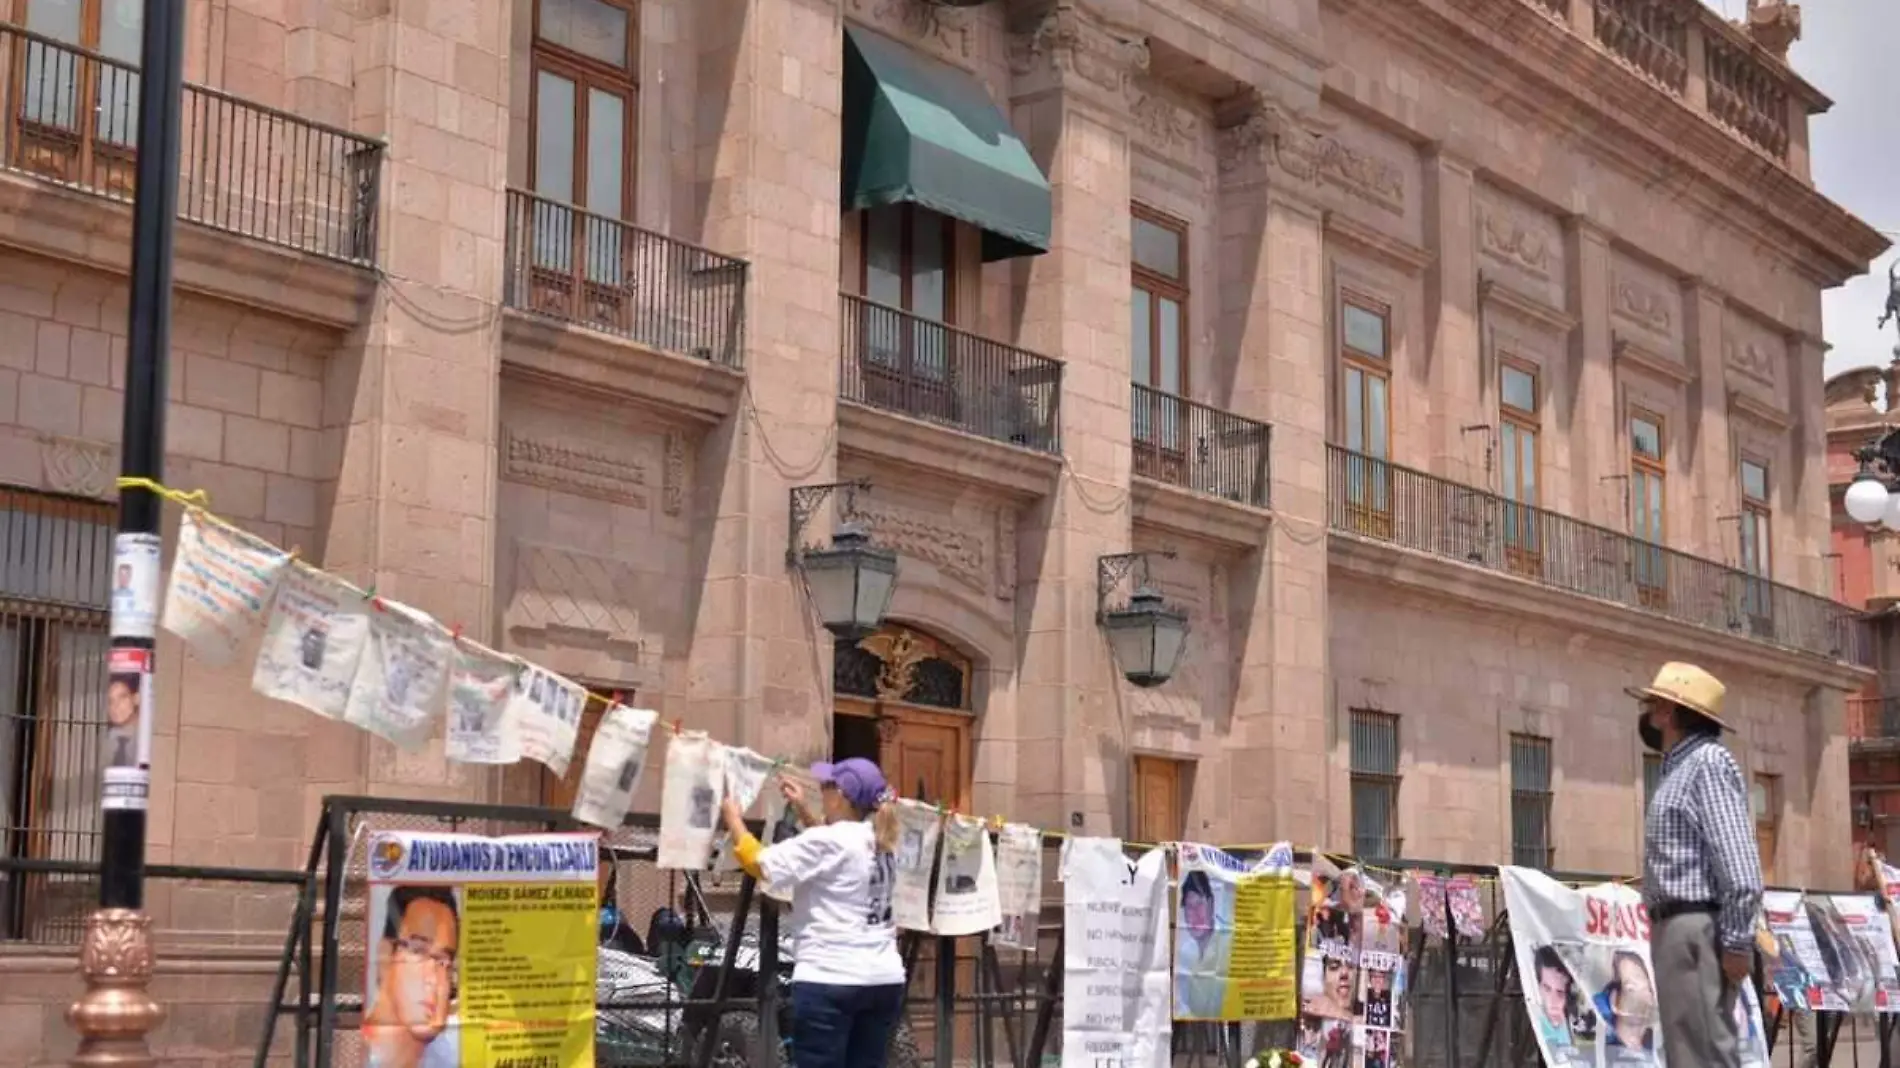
(850, 581)
(1146, 635)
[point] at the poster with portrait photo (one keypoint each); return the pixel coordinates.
(544, 714)
(401, 687)
(1382, 969)
(691, 791)
(480, 683)
(1018, 886)
(129, 712)
(966, 901)
(1378, 1049)
(411, 1017)
(1589, 986)
(313, 642)
(1329, 974)
(1325, 1042)
(919, 827)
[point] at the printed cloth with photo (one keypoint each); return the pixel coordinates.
(1235, 943)
(1354, 926)
(1832, 953)
(1589, 986)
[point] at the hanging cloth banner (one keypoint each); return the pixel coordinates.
(615, 760)
(918, 827)
(1114, 957)
(313, 643)
(401, 687)
(1831, 954)
(1430, 897)
(1018, 886)
(1235, 952)
(966, 880)
(480, 685)
(544, 715)
(222, 582)
(693, 786)
(1589, 985)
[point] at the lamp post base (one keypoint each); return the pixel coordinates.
(115, 1013)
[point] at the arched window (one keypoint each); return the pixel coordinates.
(900, 664)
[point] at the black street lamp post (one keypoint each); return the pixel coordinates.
(115, 1014)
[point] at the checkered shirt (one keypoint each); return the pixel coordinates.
(1699, 839)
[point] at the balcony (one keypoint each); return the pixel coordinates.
(901, 363)
(1873, 719)
(71, 118)
(1195, 447)
(1382, 502)
(1692, 53)
(588, 270)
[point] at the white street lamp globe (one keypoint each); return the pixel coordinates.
(1892, 518)
(1866, 500)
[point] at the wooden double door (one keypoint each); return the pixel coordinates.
(925, 754)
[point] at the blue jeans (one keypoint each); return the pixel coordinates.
(843, 1026)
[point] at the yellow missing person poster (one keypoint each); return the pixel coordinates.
(481, 951)
(1235, 954)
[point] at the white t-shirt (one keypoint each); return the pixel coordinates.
(841, 904)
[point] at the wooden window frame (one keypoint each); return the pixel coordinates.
(1374, 517)
(903, 387)
(76, 154)
(603, 302)
(1651, 580)
(907, 229)
(1161, 452)
(1768, 821)
(1523, 540)
(1758, 598)
(1545, 796)
(1392, 779)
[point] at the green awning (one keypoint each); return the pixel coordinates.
(919, 131)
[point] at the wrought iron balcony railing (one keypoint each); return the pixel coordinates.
(1200, 448)
(925, 369)
(1873, 719)
(1375, 499)
(70, 115)
(613, 276)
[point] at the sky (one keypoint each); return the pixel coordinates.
(1844, 48)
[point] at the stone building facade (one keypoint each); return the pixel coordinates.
(1454, 361)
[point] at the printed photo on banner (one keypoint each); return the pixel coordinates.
(918, 828)
(1589, 985)
(129, 708)
(747, 774)
(615, 760)
(1467, 908)
(1430, 893)
(481, 951)
(966, 901)
(1329, 977)
(691, 790)
(1832, 953)
(135, 583)
(1115, 971)
(1382, 968)
(401, 686)
(544, 713)
(313, 642)
(1234, 938)
(1019, 886)
(479, 687)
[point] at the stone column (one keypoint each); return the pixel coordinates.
(770, 83)
(1274, 317)
(1591, 376)
(410, 401)
(1803, 494)
(1707, 446)
(1459, 367)
(1067, 94)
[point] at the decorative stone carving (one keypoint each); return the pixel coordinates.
(1006, 553)
(1257, 130)
(1512, 241)
(1751, 357)
(900, 652)
(958, 553)
(1362, 174)
(673, 474)
(1068, 43)
(1643, 306)
(947, 28)
(563, 588)
(1165, 124)
(585, 469)
(81, 468)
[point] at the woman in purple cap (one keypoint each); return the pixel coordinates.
(848, 983)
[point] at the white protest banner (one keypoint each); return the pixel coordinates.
(1802, 974)
(313, 642)
(1115, 1009)
(221, 585)
(401, 686)
(480, 684)
(966, 880)
(615, 759)
(690, 794)
(1859, 916)
(746, 772)
(544, 713)
(1018, 885)
(918, 828)
(1583, 959)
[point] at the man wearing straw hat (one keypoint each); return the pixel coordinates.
(1701, 873)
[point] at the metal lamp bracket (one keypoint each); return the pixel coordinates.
(806, 502)
(1114, 571)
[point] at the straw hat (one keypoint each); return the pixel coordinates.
(1688, 686)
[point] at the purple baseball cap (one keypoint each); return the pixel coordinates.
(856, 778)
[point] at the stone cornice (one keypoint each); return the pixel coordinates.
(1556, 320)
(1395, 251)
(1630, 353)
(1539, 66)
(1759, 412)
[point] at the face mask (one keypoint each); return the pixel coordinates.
(1648, 733)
